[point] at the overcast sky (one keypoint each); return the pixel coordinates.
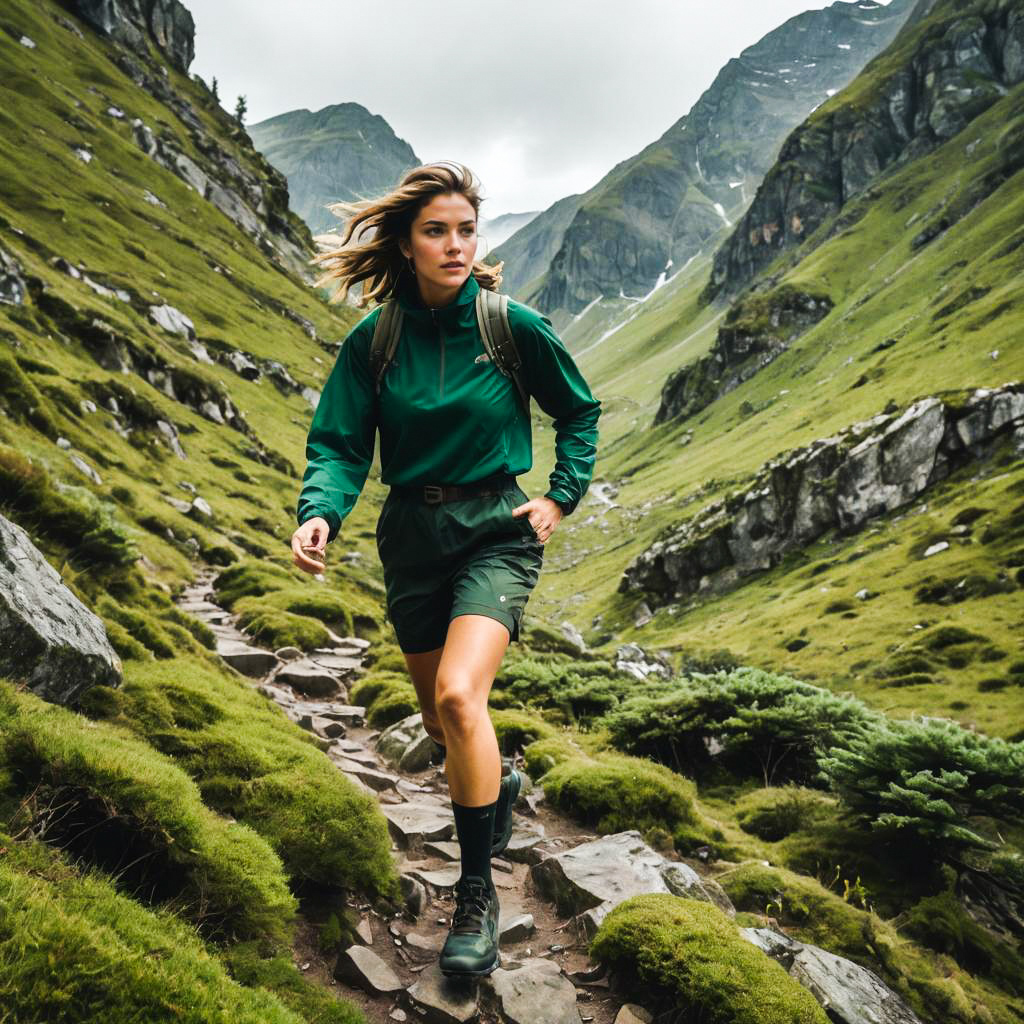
(540, 98)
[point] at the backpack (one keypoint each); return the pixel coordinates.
(491, 318)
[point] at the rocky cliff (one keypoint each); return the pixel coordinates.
(167, 23)
(656, 210)
(836, 483)
(951, 62)
(339, 152)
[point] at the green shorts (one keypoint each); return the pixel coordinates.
(455, 557)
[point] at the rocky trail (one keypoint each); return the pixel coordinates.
(555, 882)
(545, 975)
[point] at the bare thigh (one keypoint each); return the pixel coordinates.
(423, 670)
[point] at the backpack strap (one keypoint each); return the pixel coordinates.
(386, 332)
(499, 342)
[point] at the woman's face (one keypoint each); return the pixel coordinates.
(442, 244)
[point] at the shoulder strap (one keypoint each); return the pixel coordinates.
(386, 332)
(499, 342)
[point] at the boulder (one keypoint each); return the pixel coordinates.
(849, 993)
(592, 878)
(48, 638)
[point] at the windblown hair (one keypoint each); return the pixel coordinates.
(378, 263)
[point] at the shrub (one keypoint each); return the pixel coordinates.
(774, 813)
(516, 730)
(252, 763)
(21, 398)
(615, 792)
(74, 949)
(127, 807)
(934, 781)
(691, 958)
(769, 725)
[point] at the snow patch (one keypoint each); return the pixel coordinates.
(720, 210)
(831, 92)
(586, 309)
(843, 46)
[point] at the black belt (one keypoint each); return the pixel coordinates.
(433, 494)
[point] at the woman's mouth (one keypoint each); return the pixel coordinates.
(452, 266)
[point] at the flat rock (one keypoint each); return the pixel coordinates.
(439, 879)
(630, 1013)
(445, 850)
(47, 636)
(338, 663)
(413, 824)
(534, 993)
(250, 661)
(435, 999)
(308, 678)
(360, 966)
(604, 872)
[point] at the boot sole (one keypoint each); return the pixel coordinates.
(506, 835)
(474, 974)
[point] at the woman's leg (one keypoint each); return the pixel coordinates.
(423, 671)
(469, 662)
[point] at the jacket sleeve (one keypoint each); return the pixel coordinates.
(340, 445)
(561, 392)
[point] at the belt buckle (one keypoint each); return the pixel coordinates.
(433, 494)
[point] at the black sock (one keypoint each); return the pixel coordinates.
(475, 827)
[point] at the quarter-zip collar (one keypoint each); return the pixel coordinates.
(449, 316)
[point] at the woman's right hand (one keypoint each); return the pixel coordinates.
(311, 534)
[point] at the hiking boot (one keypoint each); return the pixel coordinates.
(510, 786)
(471, 949)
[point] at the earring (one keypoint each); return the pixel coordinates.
(412, 266)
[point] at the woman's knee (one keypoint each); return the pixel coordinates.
(459, 703)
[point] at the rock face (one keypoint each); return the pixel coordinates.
(849, 993)
(941, 72)
(756, 331)
(837, 482)
(653, 212)
(167, 22)
(47, 636)
(341, 152)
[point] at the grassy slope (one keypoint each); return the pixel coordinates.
(882, 291)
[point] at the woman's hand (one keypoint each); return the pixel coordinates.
(543, 514)
(311, 535)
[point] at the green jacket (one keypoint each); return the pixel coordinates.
(447, 414)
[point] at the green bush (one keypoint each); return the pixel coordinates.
(769, 726)
(125, 806)
(74, 949)
(252, 763)
(21, 398)
(774, 813)
(279, 629)
(542, 755)
(687, 956)
(933, 781)
(516, 730)
(615, 792)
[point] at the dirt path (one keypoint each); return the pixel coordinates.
(553, 937)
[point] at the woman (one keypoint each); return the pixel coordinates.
(461, 544)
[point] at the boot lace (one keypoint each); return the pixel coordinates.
(472, 901)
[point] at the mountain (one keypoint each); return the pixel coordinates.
(341, 152)
(658, 209)
(499, 229)
(946, 70)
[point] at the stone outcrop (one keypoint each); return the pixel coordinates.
(168, 23)
(12, 284)
(838, 482)
(849, 993)
(653, 212)
(48, 638)
(756, 331)
(941, 72)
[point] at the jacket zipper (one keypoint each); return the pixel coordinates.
(440, 340)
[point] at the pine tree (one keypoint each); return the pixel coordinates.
(240, 110)
(213, 88)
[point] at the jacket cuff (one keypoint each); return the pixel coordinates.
(566, 506)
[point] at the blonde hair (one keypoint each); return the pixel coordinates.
(379, 262)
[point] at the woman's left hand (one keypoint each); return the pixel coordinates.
(543, 514)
